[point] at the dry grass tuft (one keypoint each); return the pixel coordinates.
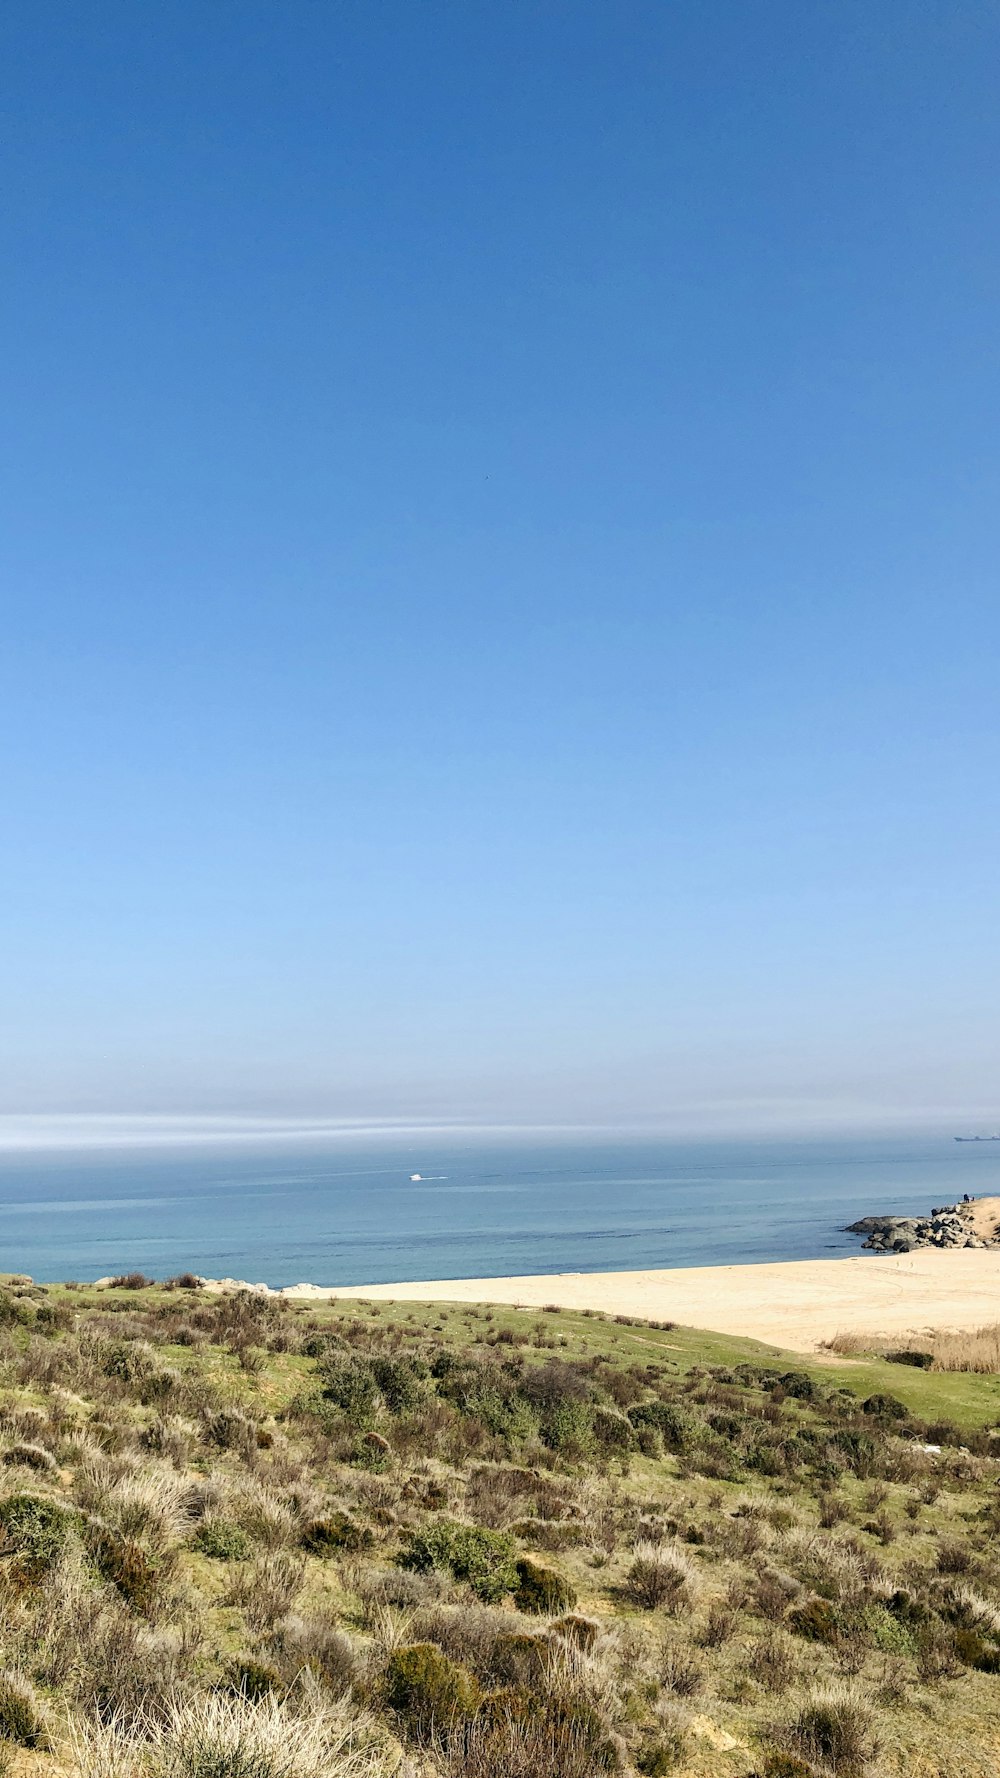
(221, 1735)
(977, 1350)
(266, 1590)
(835, 1729)
(662, 1577)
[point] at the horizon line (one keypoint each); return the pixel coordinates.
(724, 1120)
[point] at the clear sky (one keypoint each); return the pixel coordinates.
(498, 558)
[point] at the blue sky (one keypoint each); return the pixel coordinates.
(498, 559)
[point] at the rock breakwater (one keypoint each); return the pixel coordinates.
(950, 1225)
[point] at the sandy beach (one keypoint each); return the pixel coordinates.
(796, 1304)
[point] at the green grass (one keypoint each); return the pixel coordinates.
(968, 1399)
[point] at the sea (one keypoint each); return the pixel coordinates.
(285, 1212)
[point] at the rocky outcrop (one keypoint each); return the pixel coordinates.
(949, 1226)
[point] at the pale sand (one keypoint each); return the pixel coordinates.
(795, 1304)
(984, 1217)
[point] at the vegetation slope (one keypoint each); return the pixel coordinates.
(243, 1538)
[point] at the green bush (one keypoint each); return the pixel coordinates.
(38, 1529)
(486, 1559)
(430, 1691)
(320, 1343)
(157, 1384)
(886, 1632)
(798, 1385)
(399, 1381)
(349, 1384)
(14, 1313)
(128, 1360)
(817, 1621)
(860, 1451)
(908, 1611)
(613, 1430)
(337, 1531)
(541, 1589)
(223, 1540)
(885, 1407)
(569, 1426)
(972, 1651)
(674, 1426)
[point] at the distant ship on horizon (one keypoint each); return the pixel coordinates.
(994, 1138)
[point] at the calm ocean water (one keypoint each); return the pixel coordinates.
(334, 1215)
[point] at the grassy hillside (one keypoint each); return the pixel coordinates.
(241, 1538)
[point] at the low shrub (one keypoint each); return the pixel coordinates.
(267, 1589)
(952, 1557)
(613, 1430)
(772, 1663)
(222, 1540)
(517, 1658)
(835, 1728)
(798, 1385)
(431, 1692)
(817, 1620)
(131, 1568)
(373, 1452)
(399, 1382)
(314, 1643)
(486, 1559)
(349, 1385)
(660, 1754)
(583, 1631)
(719, 1626)
(29, 1456)
(674, 1426)
(129, 1360)
(661, 1578)
(542, 1589)
(972, 1651)
(510, 1741)
(885, 1407)
(785, 1765)
(568, 1426)
(38, 1529)
(250, 1678)
(337, 1531)
(21, 1719)
(681, 1672)
(405, 1590)
(230, 1430)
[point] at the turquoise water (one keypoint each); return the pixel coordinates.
(338, 1215)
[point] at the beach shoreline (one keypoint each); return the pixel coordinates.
(795, 1304)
